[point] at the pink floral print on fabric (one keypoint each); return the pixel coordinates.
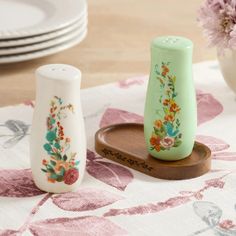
(17, 183)
(86, 225)
(217, 146)
(115, 116)
(183, 198)
(107, 172)
(208, 107)
(85, 199)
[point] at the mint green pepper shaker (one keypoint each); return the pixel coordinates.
(170, 118)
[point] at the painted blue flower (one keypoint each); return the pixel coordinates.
(170, 130)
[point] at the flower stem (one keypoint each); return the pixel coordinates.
(33, 212)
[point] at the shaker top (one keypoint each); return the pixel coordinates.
(172, 43)
(58, 72)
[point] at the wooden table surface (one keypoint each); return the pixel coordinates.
(117, 44)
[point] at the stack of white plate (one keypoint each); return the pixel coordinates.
(31, 29)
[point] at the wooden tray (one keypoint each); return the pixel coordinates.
(124, 143)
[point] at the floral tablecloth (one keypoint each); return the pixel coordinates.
(115, 200)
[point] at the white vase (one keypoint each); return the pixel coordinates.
(58, 142)
(227, 61)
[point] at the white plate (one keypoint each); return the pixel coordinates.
(24, 18)
(43, 37)
(44, 45)
(45, 52)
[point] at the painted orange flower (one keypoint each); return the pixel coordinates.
(155, 142)
(157, 148)
(44, 162)
(166, 102)
(51, 180)
(174, 108)
(158, 123)
(169, 117)
(165, 70)
(61, 164)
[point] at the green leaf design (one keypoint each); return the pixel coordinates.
(177, 121)
(44, 170)
(54, 176)
(60, 100)
(47, 147)
(53, 162)
(174, 95)
(57, 146)
(58, 156)
(156, 130)
(156, 70)
(174, 79)
(165, 109)
(60, 178)
(62, 171)
(177, 143)
(77, 163)
(163, 131)
(65, 157)
(51, 136)
(159, 133)
(50, 169)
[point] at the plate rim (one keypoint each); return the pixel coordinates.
(42, 37)
(78, 6)
(45, 52)
(43, 45)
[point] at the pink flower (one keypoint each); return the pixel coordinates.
(218, 19)
(71, 176)
(227, 224)
(167, 142)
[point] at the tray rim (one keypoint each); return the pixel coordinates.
(100, 144)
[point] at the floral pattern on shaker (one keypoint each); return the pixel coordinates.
(61, 166)
(166, 132)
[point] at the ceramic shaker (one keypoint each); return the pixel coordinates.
(58, 142)
(170, 118)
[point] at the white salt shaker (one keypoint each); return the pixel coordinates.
(58, 142)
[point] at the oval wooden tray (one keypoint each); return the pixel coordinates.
(125, 144)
